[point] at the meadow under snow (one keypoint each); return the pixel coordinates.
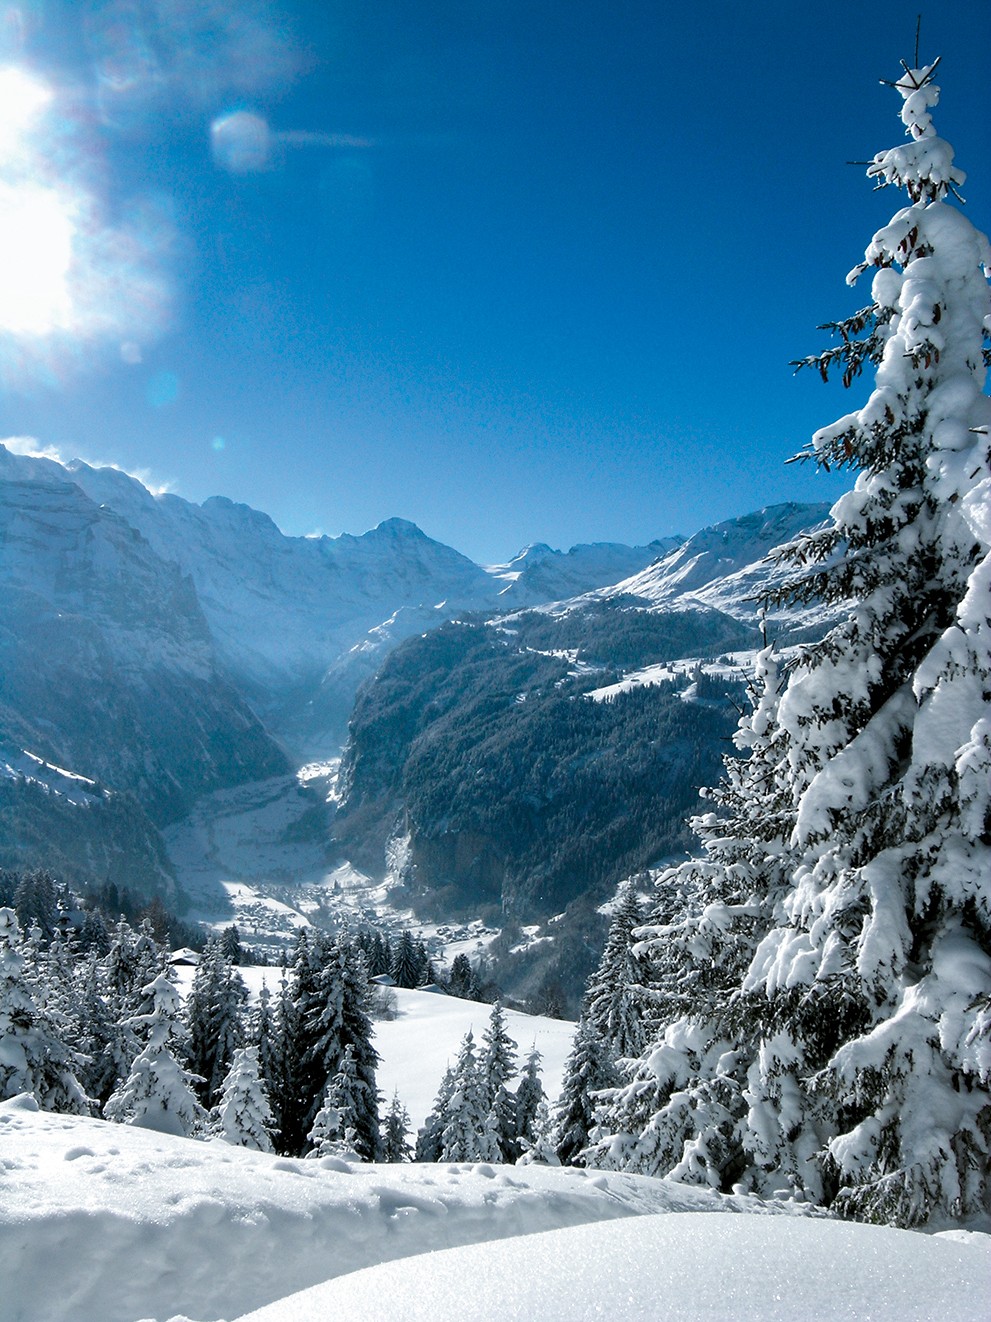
(110, 1223)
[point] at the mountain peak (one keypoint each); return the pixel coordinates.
(397, 528)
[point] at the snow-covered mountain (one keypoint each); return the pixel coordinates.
(107, 661)
(540, 574)
(167, 650)
(723, 567)
(299, 622)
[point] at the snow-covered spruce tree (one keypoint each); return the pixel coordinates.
(683, 1105)
(396, 1146)
(587, 1071)
(430, 1139)
(243, 1116)
(469, 1132)
(214, 1013)
(613, 996)
(157, 1093)
(530, 1097)
(338, 1127)
(851, 1061)
(33, 1057)
(498, 1065)
(539, 1148)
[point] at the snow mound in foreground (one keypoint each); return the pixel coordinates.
(683, 1268)
(108, 1223)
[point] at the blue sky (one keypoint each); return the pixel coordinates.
(515, 271)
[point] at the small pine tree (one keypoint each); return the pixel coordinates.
(158, 1093)
(539, 1149)
(243, 1116)
(396, 1146)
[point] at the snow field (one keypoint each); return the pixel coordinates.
(103, 1222)
(675, 1268)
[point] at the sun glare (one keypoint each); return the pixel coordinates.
(21, 97)
(69, 281)
(35, 224)
(35, 253)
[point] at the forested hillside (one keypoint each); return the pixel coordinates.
(479, 744)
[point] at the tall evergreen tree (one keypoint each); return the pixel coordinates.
(587, 1071)
(430, 1139)
(460, 982)
(406, 965)
(468, 1133)
(613, 999)
(530, 1097)
(847, 1052)
(214, 1013)
(284, 1075)
(497, 1066)
(107, 1046)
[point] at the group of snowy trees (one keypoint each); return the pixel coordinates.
(476, 1117)
(92, 1031)
(259, 1077)
(811, 997)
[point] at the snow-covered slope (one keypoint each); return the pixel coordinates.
(719, 555)
(540, 574)
(673, 1268)
(108, 1223)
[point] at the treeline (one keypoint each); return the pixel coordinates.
(40, 900)
(92, 1031)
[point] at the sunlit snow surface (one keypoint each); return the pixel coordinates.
(677, 1268)
(108, 1223)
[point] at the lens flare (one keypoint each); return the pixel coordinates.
(241, 142)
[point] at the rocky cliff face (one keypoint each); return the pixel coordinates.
(106, 658)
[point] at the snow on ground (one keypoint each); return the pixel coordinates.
(675, 1268)
(418, 1045)
(734, 666)
(109, 1223)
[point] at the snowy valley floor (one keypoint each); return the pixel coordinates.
(108, 1223)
